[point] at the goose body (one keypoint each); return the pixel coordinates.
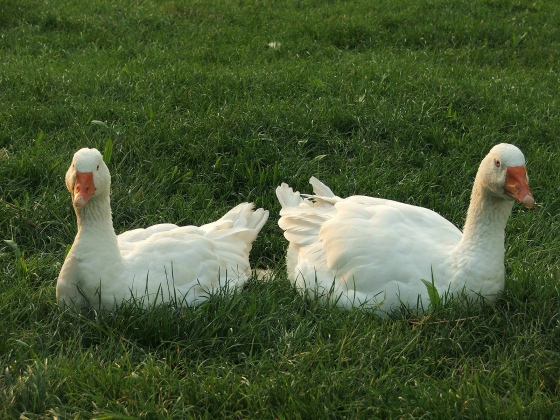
(161, 263)
(372, 252)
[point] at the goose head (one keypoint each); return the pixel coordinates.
(503, 174)
(87, 177)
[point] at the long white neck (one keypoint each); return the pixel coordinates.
(95, 221)
(484, 231)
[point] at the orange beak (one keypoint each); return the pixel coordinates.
(517, 187)
(83, 188)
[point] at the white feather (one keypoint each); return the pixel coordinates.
(161, 263)
(364, 251)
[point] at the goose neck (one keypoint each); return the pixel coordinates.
(486, 220)
(95, 217)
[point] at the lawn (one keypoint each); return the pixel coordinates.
(201, 105)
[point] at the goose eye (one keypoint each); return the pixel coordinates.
(497, 163)
(97, 167)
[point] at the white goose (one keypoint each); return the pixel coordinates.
(160, 263)
(371, 252)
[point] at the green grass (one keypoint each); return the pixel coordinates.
(394, 99)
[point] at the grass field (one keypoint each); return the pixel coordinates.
(204, 105)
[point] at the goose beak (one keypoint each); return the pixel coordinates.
(517, 187)
(83, 189)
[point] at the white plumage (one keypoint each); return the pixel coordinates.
(372, 252)
(161, 263)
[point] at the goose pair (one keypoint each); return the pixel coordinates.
(358, 251)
